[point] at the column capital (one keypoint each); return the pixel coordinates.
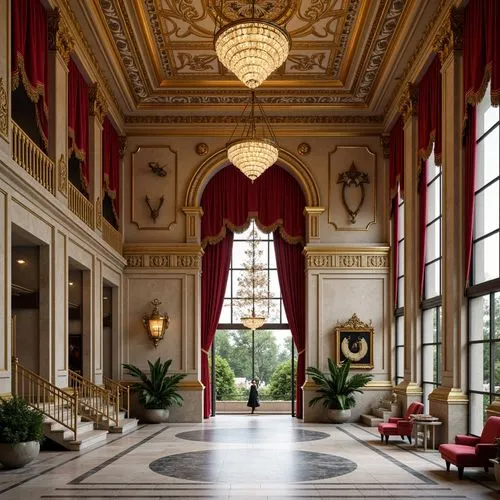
(449, 38)
(97, 102)
(409, 101)
(122, 145)
(193, 223)
(60, 38)
(385, 140)
(312, 222)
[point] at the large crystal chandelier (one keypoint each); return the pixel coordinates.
(252, 48)
(254, 321)
(253, 153)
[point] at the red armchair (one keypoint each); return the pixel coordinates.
(472, 451)
(400, 426)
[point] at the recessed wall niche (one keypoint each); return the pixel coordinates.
(154, 187)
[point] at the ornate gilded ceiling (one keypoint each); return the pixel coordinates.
(346, 54)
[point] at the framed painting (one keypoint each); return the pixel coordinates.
(354, 341)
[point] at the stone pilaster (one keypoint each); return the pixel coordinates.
(312, 215)
(60, 46)
(97, 327)
(409, 390)
(193, 223)
(98, 109)
(5, 109)
(449, 401)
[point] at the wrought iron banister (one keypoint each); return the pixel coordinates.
(121, 391)
(80, 206)
(101, 404)
(51, 400)
(32, 159)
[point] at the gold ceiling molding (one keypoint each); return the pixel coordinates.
(226, 119)
(218, 160)
(60, 38)
(74, 27)
(326, 257)
(450, 36)
(411, 64)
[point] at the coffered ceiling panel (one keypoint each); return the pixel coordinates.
(345, 53)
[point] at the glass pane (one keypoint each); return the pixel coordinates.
(238, 256)
(486, 256)
(432, 169)
(433, 200)
(401, 292)
(495, 334)
(400, 362)
(401, 258)
(225, 315)
(401, 228)
(486, 208)
(427, 363)
(274, 311)
(432, 280)
(426, 390)
(245, 235)
(487, 159)
(487, 115)
(479, 318)
(239, 289)
(272, 256)
(274, 285)
(439, 323)
(496, 375)
(433, 241)
(478, 351)
(400, 330)
(284, 319)
(477, 412)
(260, 253)
(427, 328)
(241, 308)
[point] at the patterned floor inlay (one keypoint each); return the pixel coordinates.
(252, 466)
(252, 435)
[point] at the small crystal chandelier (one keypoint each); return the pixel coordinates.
(252, 48)
(253, 153)
(253, 322)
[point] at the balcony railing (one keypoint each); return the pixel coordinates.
(32, 159)
(111, 236)
(80, 206)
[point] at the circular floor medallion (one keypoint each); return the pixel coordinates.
(252, 465)
(252, 435)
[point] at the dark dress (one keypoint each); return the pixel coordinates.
(253, 398)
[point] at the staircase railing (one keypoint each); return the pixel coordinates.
(122, 393)
(51, 400)
(100, 405)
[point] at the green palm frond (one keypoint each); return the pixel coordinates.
(335, 389)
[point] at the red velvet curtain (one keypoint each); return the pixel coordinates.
(481, 63)
(78, 120)
(215, 270)
(228, 202)
(396, 176)
(111, 164)
(429, 112)
(291, 276)
(30, 58)
(481, 50)
(469, 182)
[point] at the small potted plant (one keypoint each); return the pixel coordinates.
(21, 430)
(336, 390)
(157, 391)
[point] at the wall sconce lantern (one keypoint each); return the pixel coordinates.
(156, 324)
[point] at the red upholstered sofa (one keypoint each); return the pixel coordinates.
(472, 451)
(400, 426)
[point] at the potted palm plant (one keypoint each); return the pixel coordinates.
(336, 390)
(157, 391)
(21, 430)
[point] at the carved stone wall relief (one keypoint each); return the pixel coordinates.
(352, 181)
(154, 187)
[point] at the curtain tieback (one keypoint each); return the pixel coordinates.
(205, 352)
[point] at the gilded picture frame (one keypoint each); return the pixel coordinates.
(354, 341)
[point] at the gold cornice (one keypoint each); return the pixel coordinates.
(156, 256)
(4, 111)
(450, 36)
(97, 103)
(450, 395)
(333, 257)
(181, 249)
(191, 385)
(60, 38)
(408, 388)
(409, 101)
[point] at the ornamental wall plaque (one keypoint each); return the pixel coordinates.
(354, 341)
(353, 178)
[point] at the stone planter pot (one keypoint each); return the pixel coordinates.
(339, 416)
(155, 416)
(18, 455)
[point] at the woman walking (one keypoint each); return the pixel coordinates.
(253, 398)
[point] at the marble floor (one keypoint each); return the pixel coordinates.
(245, 457)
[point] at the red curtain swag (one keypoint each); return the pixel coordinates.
(111, 164)
(277, 202)
(30, 58)
(396, 177)
(481, 64)
(78, 120)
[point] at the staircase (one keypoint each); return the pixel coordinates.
(386, 408)
(75, 418)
